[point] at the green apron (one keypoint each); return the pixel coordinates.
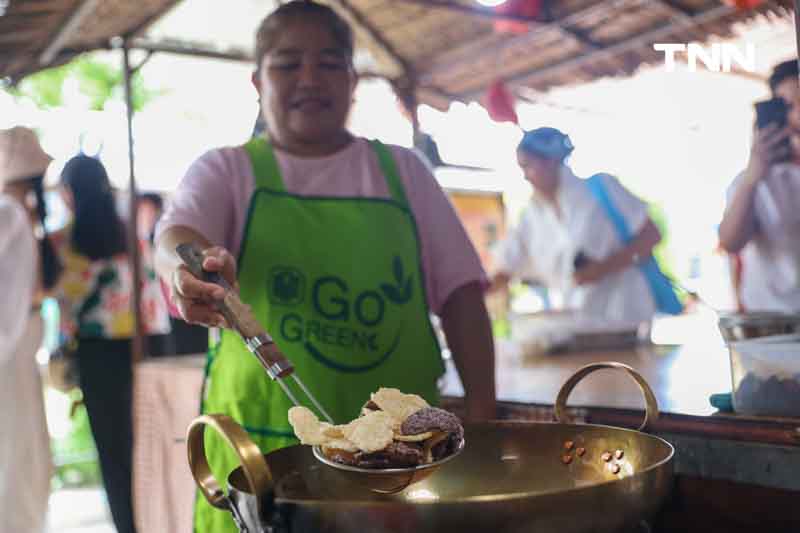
(338, 283)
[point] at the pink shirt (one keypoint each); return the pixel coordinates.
(214, 196)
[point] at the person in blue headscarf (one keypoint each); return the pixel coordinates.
(589, 239)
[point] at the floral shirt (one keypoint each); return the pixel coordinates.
(102, 290)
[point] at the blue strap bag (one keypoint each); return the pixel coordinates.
(660, 287)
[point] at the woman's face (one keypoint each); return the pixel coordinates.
(540, 172)
(306, 83)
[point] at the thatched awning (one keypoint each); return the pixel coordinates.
(448, 49)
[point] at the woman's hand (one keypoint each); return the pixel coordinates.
(739, 224)
(197, 300)
(591, 272)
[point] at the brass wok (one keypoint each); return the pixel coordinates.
(511, 477)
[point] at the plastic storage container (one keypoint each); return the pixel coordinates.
(741, 326)
(766, 376)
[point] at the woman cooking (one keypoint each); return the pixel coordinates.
(344, 248)
(590, 239)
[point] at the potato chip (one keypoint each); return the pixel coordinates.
(372, 432)
(307, 426)
(428, 445)
(397, 404)
(413, 438)
(333, 432)
(339, 444)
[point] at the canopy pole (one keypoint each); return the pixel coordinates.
(133, 237)
(405, 89)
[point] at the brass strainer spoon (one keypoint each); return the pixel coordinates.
(241, 319)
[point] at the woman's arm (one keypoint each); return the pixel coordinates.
(739, 224)
(512, 257)
(469, 336)
(639, 248)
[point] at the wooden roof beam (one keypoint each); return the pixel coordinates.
(674, 9)
(495, 16)
(643, 39)
(578, 36)
(180, 48)
(378, 39)
(188, 49)
(454, 64)
(484, 12)
(71, 25)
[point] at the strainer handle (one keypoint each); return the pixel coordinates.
(651, 404)
(253, 463)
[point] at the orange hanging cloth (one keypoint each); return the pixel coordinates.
(500, 103)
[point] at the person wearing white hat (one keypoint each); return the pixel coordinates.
(25, 460)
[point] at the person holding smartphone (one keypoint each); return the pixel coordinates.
(762, 221)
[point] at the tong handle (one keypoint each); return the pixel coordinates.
(239, 316)
(193, 257)
(270, 357)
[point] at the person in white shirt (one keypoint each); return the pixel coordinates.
(25, 460)
(567, 241)
(762, 221)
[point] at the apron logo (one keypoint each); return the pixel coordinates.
(341, 319)
(286, 286)
(401, 293)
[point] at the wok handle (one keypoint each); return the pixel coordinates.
(253, 463)
(651, 405)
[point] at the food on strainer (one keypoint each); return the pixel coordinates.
(394, 430)
(308, 428)
(370, 433)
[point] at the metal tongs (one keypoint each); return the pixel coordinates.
(240, 317)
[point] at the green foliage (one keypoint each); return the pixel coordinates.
(661, 252)
(75, 455)
(501, 328)
(100, 81)
(45, 88)
(97, 81)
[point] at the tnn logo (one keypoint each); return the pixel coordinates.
(718, 57)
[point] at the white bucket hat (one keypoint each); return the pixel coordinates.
(21, 155)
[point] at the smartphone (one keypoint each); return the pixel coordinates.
(580, 261)
(773, 111)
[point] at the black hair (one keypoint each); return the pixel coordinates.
(50, 263)
(98, 231)
(275, 21)
(783, 71)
